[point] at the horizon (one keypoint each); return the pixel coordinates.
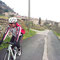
(46, 10)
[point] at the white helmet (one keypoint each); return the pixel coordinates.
(12, 20)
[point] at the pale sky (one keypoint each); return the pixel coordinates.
(46, 9)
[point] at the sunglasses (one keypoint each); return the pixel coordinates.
(11, 23)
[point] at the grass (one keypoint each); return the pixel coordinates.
(57, 34)
(3, 17)
(28, 34)
(5, 45)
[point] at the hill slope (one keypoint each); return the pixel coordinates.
(4, 8)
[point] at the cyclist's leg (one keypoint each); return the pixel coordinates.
(19, 42)
(19, 45)
(12, 40)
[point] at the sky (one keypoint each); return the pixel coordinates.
(46, 9)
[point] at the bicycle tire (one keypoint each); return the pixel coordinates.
(21, 49)
(6, 57)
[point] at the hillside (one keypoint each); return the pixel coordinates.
(4, 8)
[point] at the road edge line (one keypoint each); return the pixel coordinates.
(45, 57)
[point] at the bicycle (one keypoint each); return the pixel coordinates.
(11, 54)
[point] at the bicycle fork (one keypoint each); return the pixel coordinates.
(10, 53)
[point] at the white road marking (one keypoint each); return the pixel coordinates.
(45, 57)
(45, 32)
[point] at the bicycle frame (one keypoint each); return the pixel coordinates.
(10, 52)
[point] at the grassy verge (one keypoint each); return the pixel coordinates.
(27, 35)
(57, 34)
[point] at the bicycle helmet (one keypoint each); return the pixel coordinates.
(12, 20)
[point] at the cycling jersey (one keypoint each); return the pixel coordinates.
(16, 31)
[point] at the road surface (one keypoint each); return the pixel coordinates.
(43, 46)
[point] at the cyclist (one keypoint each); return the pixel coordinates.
(17, 33)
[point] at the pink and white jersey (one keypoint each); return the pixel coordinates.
(16, 31)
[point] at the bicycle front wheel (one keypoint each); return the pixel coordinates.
(7, 57)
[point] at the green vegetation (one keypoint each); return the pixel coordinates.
(3, 17)
(57, 34)
(38, 27)
(29, 33)
(5, 45)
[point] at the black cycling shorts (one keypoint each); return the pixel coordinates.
(17, 43)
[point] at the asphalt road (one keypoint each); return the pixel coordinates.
(53, 47)
(33, 48)
(43, 46)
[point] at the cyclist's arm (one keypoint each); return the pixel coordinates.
(18, 34)
(6, 33)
